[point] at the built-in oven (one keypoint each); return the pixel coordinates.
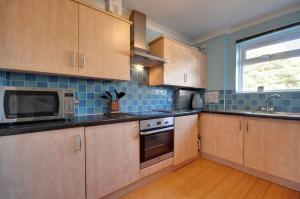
(156, 140)
(33, 104)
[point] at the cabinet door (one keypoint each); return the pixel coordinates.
(185, 138)
(174, 71)
(186, 66)
(104, 45)
(112, 158)
(222, 136)
(195, 69)
(272, 146)
(192, 69)
(43, 165)
(39, 36)
(198, 70)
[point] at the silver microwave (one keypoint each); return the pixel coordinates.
(18, 104)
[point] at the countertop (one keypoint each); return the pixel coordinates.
(88, 120)
(102, 119)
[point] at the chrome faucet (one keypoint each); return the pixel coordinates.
(269, 108)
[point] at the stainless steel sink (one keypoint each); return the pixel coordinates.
(285, 114)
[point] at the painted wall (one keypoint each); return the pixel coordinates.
(215, 50)
(269, 25)
(139, 97)
(221, 51)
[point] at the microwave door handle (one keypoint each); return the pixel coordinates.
(156, 131)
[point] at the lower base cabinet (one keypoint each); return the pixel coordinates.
(222, 136)
(112, 158)
(270, 146)
(273, 146)
(43, 165)
(185, 138)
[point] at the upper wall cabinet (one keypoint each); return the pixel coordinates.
(186, 67)
(104, 45)
(39, 36)
(63, 37)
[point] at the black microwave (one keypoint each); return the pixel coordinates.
(20, 104)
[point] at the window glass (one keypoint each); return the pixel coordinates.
(274, 48)
(273, 75)
(271, 61)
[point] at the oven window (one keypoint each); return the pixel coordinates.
(155, 145)
(22, 104)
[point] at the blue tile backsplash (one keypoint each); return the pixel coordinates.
(139, 96)
(289, 101)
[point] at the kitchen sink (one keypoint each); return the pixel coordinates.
(286, 114)
(278, 113)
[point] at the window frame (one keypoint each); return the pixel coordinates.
(262, 41)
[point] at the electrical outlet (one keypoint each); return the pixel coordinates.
(211, 97)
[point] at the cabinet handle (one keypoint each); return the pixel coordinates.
(72, 59)
(240, 125)
(247, 127)
(78, 143)
(82, 60)
(185, 77)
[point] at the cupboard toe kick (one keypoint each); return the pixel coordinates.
(270, 146)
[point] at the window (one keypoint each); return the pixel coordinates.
(271, 60)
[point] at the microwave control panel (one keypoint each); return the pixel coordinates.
(69, 105)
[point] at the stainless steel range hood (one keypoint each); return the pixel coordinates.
(139, 53)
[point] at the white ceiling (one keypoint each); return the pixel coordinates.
(197, 19)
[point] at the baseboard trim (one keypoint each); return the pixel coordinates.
(259, 174)
(148, 179)
(142, 182)
(182, 164)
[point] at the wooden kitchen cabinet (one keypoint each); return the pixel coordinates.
(44, 165)
(186, 67)
(198, 71)
(104, 45)
(222, 136)
(112, 157)
(39, 36)
(272, 146)
(63, 37)
(185, 138)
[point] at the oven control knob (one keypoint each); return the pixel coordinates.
(166, 122)
(158, 123)
(148, 125)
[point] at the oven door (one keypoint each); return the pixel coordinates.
(156, 145)
(20, 105)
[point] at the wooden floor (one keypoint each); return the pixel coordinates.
(209, 180)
